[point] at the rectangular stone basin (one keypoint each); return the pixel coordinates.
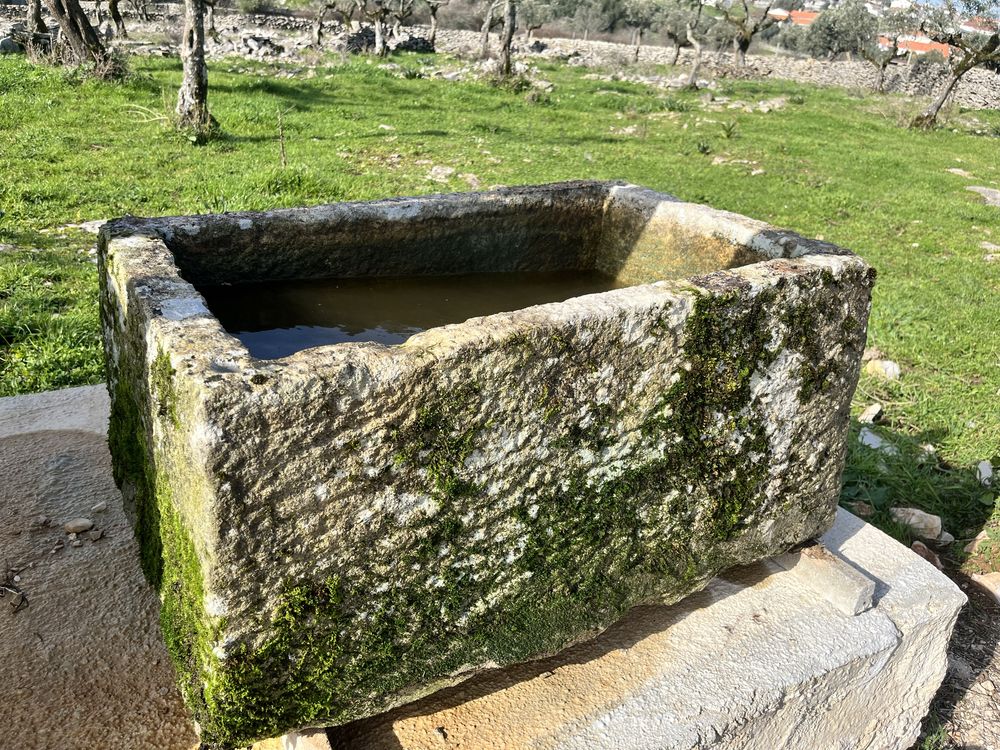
(347, 527)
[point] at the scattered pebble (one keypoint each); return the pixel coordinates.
(960, 172)
(78, 525)
(945, 539)
(872, 352)
(984, 473)
(41, 521)
(95, 534)
(873, 441)
(925, 525)
(440, 174)
(883, 368)
(100, 507)
(928, 554)
(76, 543)
(871, 414)
(991, 257)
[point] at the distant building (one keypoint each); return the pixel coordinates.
(794, 17)
(917, 44)
(979, 25)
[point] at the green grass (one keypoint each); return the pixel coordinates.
(835, 165)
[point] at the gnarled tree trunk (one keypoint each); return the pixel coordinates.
(116, 16)
(740, 47)
(484, 41)
(210, 19)
(434, 22)
(692, 82)
(926, 119)
(507, 37)
(77, 32)
(34, 19)
(638, 44)
(192, 99)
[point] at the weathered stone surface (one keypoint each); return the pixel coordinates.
(755, 661)
(353, 526)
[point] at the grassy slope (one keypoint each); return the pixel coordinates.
(835, 166)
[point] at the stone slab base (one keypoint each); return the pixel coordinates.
(760, 659)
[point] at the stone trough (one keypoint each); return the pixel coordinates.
(348, 527)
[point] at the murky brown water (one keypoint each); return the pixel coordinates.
(275, 319)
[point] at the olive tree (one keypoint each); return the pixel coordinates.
(746, 23)
(641, 15)
(378, 13)
(969, 49)
(848, 28)
(589, 17)
(35, 24)
(534, 14)
(489, 21)
(83, 45)
(891, 27)
(434, 6)
(507, 36)
(192, 99)
(673, 23)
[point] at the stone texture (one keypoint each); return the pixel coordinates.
(354, 526)
(756, 660)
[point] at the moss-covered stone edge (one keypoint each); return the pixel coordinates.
(306, 673)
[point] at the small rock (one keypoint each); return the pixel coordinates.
(9, 47)
(927, 553)
(78, 525)
(100, 507)
(990, 195)
(883, 368)
(945, 539)
(984, 473)
(95, 534)
(860, 509)
(873, 441)
(872, 352)
(925, 525)
(40, 521)
(440, 174)
(990, 246)
(959, 172)
(991, 257)
(76, 543)
(973, 546)
(871, 414)
(386, 127)
(990, 582)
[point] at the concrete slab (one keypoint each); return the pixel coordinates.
(760, 659)
(83, 664)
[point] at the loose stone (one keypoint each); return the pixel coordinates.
(78, 525)
(927, 553)
(990, 582)
(923, 524)
(871, 414)
(883, 368)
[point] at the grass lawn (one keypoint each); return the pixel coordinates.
(834, 165)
